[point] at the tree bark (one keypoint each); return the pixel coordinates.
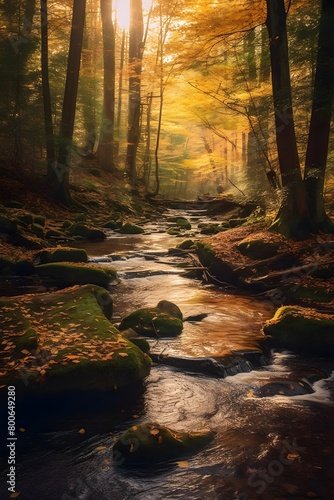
(106, 144)
(62, 184)
(135, 62)
(318, 139)
(293, 219)
(48, 125)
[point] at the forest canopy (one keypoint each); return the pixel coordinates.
(180, 96)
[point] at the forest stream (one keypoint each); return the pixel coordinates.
(274, 446)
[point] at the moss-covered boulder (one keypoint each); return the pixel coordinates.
(37, 229)
(302, 329)
(170, 308)
(173, 231)
(89, 233)
(62, 341)
(22, 240)
(154, 321)
(62, 254)
(237, 222)
(25, 218)
(183, 223)
(186, 245)
(7, 225)
(40, 220)
(65, 273)
(112, 224)
(258, 249)
(136, 339)
(128, 228)
(151, 443)
(54, 233)
(211, 229)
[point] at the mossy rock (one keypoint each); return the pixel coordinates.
(170, 308)
(136, 340)
(211, 229)
(89, 233)
(40, 220)
(128, 228)
(186, 245)
(112, 224)
(151, 443)
(37, 229)
(258, 249)
(237, 222)
(309, 293)
(183, 223)
(62, 254)
(66, 274)
(22, 240)
(7, 225)
(26, 219)
(62, 341)
(301, 329)
(152, 322)
(53, 233)
(174, 231)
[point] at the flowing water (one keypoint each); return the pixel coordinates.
(274, 447)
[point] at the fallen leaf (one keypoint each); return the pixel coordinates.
(154, 432)
(15, 495)
(123, 354)
(183, 464)
(99, 448)
(292, 456)
(82, 431)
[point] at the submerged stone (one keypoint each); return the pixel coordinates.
(128, 228)
(151, 443)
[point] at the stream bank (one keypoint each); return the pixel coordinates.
(271, 442)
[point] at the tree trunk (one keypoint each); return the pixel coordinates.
(293, 219)
(48, 125)
(62, 184)
(106, 144)
(135, 62)
(323, 91)
(120, 92)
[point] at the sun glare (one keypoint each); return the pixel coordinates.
(123, 12)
